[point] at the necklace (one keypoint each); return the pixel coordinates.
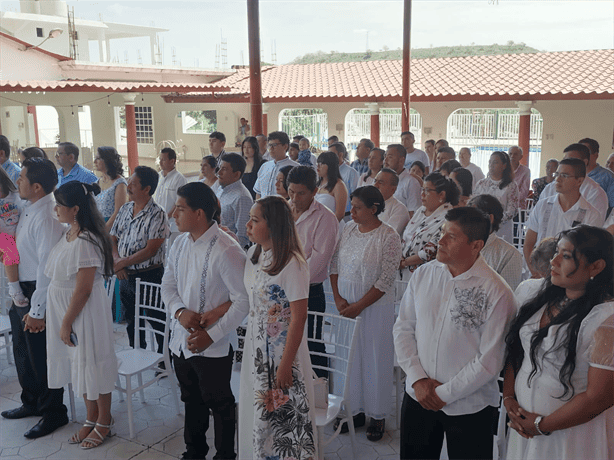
(70, 233)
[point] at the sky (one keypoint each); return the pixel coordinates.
(296, 27)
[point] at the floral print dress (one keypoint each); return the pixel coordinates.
(275, 424)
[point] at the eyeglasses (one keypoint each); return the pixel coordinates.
(563, 175)
(274, 145)
(427, 190)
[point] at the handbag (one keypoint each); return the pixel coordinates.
(320, 391)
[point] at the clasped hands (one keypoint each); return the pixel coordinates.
(33, 325)
(349, 310)
(521, 420)
(426, 395)
(196, 324)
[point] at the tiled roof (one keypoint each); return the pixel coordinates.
(539, 75)
(107, 86)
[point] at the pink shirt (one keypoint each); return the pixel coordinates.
(317, 229)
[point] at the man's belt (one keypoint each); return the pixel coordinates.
(143, 270)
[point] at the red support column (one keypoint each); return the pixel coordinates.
(133, 147)
(265, 124)
(32, 109)
(255, 82)
(524, 130)
(374, 112)
(406, 64)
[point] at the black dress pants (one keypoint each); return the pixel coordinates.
(205, 386)
(127, 294)
(316, 303)
(467, 436)
(30, 352)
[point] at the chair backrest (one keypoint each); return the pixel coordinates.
(110, 287)
(149, 299)
(340, 337)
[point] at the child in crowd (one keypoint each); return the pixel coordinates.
(418, 170)
(304, 154)
(293, 151)
(9, 217)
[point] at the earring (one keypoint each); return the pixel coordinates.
(592, 278)
(75, 219)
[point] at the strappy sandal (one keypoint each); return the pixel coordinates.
(75, 437)
(375, 430)
(100, 438)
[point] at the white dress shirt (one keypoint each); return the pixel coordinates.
(416, 155)
(476, 173)
(37, 233)
(408, 191)
(548, 218)
(267, 175)
(200, 276)
(503, 258)
(590, 190)
(395, 214)
(317, 229)
(166, 193)
(452, 329)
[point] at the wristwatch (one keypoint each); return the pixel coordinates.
(537, 421)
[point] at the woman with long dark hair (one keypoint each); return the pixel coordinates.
(375, 163)
(276, 411)
(113, 185)
(463, 179)
(500, 184)
(80, 345)
(559, 371)
(250, 150)
(332, 191)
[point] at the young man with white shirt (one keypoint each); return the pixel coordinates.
(590, 190)
(567, 209)
(317, 228)
(37, 233)
(450, 341)
(395, 213)
(464, 158)
(279, 143)
(409, 188)
(204, 293)
(349, 175)
(217, 142)
(413, 154)
(235, 199)
(169, 182)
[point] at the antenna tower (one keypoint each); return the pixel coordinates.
(125, 57)
(274, 52)
(224, 51)
(139, 59)
(217, 56)
(174, 54)
(73, 45)
(157, 52)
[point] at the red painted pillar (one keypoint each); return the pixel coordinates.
(265, 124)
(255, 82)
(524, 130)
(32, 109)
(133, 147)
(406, 65)
(374, 112)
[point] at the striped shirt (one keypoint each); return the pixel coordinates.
(236, 201)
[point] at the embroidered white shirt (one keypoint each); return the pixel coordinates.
(452, 329)
(37, 233)
(200, 276)
(590, 190)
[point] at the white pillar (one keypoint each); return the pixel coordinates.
(69, 125)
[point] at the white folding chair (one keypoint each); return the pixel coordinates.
(110, 287)
(136, 361)
(5, 331)
(339, 336)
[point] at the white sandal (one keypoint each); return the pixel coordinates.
(100, 438)
(75, 437)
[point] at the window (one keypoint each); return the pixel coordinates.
(144, 125)
(39, 32)
(199, 121)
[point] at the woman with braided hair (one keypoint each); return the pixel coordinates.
(79, 323)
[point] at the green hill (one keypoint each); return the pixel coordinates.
(419, 53)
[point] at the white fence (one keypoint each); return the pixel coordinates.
(312, 123)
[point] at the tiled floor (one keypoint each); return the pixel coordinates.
(159, 431)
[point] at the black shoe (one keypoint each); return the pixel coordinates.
(20, 412)
(47, 425)
(376, 429)
(359, 420)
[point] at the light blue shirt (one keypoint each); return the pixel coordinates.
(78, 173)
(267, 174)
(12, 170)
(605, 178)
(236, 202)
(350, 177)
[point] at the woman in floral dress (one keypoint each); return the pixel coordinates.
(276, 410)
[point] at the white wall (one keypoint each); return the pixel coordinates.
(16, 64)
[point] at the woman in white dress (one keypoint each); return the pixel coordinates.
(276, 407)
(331, 184)
(560, 368)
(80, 345)
(362, 275)
(500, 184)
(375, 163)
(421, 236)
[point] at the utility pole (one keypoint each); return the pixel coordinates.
(255, 80)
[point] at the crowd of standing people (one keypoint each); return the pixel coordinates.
(255, 240)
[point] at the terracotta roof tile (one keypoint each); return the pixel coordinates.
(105, 86)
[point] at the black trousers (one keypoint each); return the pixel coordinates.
(467, 436)
(30, 352)
(316, 303)
(127, 294)
(205, 386)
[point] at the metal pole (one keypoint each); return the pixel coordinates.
(406, 64)
(255, 82)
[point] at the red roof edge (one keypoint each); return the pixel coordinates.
(59, 57)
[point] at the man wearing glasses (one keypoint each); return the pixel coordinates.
(279, 142)
(567, 209)
(67, 156)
